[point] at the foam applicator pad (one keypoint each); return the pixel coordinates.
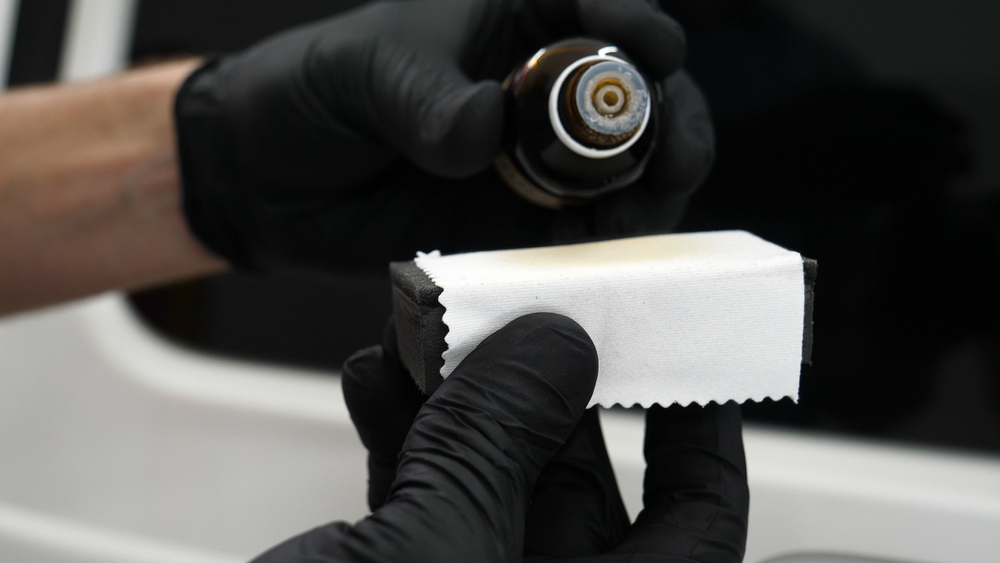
(680, 318)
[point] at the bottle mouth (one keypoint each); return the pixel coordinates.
(611, 100)
(599, 106)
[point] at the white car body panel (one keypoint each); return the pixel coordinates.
(120, 446)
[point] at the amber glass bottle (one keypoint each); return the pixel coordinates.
(581, 123)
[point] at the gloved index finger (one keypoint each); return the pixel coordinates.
(576, 508)
(695, 496)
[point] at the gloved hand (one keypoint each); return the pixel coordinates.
(362, 138)
(696, 497)
(473, 454)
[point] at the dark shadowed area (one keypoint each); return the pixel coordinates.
(864, 134)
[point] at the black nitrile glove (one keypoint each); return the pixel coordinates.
(471, 455)
(696, 497)
(360, 139)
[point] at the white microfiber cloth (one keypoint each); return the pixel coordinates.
(676, 318)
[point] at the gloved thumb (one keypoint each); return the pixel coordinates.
(477, 446)
(434, 114)
(472, 457)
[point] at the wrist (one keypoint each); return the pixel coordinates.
(91, 171)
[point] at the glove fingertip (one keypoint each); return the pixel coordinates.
(366, 360)
(573, 349)
(556, 359)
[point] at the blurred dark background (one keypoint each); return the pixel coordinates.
(862, 133)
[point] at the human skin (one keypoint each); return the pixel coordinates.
(90, 192)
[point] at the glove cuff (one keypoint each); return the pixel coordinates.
(210, 181)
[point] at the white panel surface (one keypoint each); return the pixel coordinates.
(119, 446)
(98, 38)
(8, 25)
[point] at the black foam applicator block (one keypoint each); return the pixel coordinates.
(420, 327)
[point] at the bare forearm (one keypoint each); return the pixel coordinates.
(90, 190)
